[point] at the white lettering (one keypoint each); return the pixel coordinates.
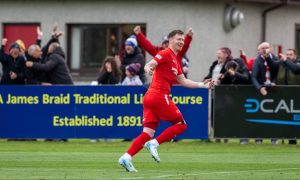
(262, 107)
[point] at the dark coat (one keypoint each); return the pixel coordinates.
(136, 57)
(211, 68)
(34, 76)
(259, 70)
(107, 78)
(12, 65)
(242, 75)
(55, 68)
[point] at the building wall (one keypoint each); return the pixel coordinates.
(206, 18)
(281, 26)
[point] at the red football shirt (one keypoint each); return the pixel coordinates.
(165, 72)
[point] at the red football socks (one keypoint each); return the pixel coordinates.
(171, 132)
(138, 143)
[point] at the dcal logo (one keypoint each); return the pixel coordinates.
(270, 106)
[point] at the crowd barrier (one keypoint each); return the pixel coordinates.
(91, 111)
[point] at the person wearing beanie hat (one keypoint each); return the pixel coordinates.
(131, 44)
(131, 41)
(14, 45)
(13, 64)
(134, 68)
(131, 75)
(165, 42)
(133, 54)
(14, 50)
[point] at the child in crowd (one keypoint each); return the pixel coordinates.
(131, 75)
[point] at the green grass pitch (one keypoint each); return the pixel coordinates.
(80, 159)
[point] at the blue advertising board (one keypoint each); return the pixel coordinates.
(91, 111)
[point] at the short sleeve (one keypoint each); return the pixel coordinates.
(160, 57)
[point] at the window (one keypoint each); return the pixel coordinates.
(297, 38)
(89, 44)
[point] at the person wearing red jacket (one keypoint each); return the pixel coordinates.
(153, 50)
(248, 62)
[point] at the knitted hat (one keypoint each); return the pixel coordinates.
(131, 41)
(14, 45)
(134, 68)
(21, 44)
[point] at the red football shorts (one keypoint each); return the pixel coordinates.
(159, 106)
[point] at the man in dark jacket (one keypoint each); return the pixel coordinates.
(13, 65)
(34, 76)
(55, 67)
(133, 54)
(265, 68)
(39, 54)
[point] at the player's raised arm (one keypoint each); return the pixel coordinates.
(192, 84)
(150, 66)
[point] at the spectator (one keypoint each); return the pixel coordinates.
(153, 50)
(289, 69)
(34, 76)
(265, 68)
(289, 72)
(13, 65)
(35, 54)
(264, 73)
(55, 66)
(109, 72)
(133, 54)
(131, 75)
(236, 72)
(185, 66)
(248, 62)
(56, 33)
(217, 69)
